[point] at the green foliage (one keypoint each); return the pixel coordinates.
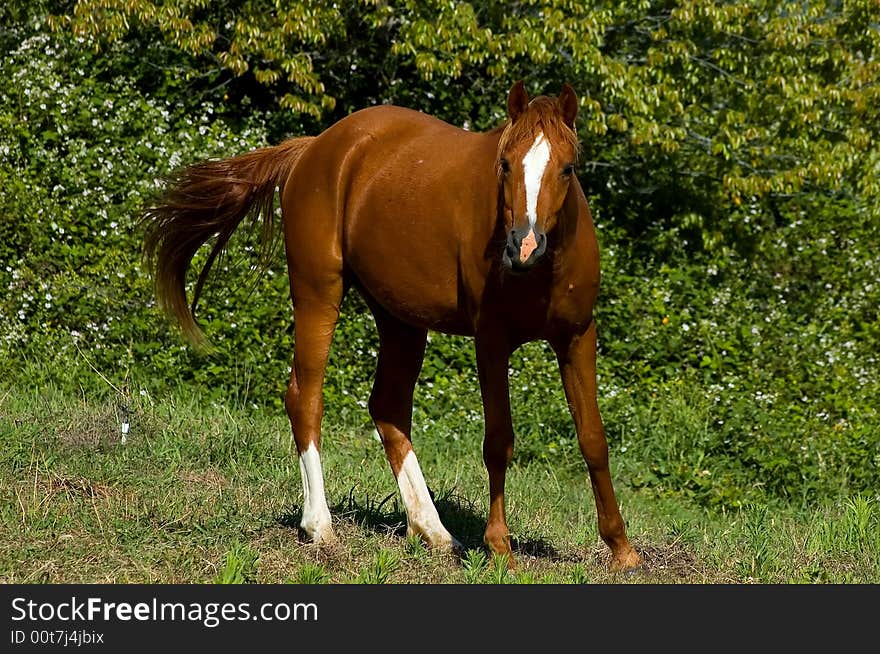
(690, 109)
(380, 569)
(475, 564)
(482, 569)
(240, 566)
(415, 547)
(272, 44)
(312, 574)
(498, 574)
(578, 575)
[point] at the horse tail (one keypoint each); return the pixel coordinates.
(210, 200)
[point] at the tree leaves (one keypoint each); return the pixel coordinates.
(742, 100)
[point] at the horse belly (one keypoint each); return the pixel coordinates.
(410, 280)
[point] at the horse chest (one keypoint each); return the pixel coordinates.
(536, 307)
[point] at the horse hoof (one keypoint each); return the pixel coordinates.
(322, 537)
(628, 562)
(441, 541)
(449, 546)
(327, 541)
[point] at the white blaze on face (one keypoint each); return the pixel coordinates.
(316, 514)
(534, 165)
(421, 514)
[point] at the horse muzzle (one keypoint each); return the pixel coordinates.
(523, 249)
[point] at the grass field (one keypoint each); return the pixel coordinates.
(202, 492)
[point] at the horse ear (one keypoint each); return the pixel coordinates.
(568, 105)
(517, 100)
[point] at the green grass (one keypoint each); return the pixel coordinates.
(204, 492)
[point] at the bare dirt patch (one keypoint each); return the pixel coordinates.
(98, 426)
(671, 562)
(74, 487)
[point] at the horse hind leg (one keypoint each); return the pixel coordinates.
(402, 348)
(315, 324)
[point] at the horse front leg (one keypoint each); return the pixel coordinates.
(492, 362)
(576, 354)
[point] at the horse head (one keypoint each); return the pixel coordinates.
(536, 159)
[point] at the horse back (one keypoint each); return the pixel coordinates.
(404, 198)
(406, 205)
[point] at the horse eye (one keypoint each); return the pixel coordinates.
(505, 166)
(568, 171)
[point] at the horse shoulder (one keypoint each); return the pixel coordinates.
(577, 276)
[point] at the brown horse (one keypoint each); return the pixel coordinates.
(481, 234)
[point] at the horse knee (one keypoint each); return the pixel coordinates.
(382, 412)
(387, 405)
(389, 425)
(594, 449)
(498, 449)
(304, 410)
(291, 399)
(377, 407)
(612, 529)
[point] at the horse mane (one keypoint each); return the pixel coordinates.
(542, 114)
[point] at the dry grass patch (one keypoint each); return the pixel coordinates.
(209, 479)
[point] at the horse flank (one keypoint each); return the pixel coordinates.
(210, 200)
